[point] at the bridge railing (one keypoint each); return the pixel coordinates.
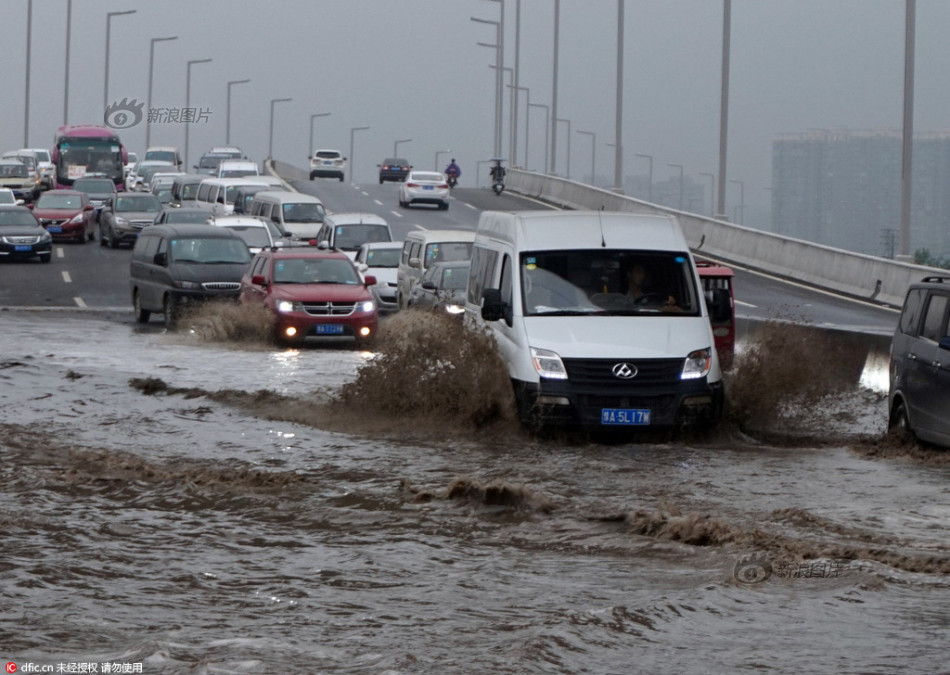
(854, 274)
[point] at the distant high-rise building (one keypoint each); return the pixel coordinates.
(843, 189)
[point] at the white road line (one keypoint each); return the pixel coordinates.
(473, 208)
(60, 252)
(397, 214)
(66, 277)
(79, 302)
(745, 304)
(377, 202)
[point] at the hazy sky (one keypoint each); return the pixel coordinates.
(413, 69)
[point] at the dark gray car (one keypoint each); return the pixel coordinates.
(919, 399)
(442, 287)
(101, 191)
(122, 222)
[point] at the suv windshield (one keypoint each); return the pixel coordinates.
(615, 282)
(142, 202)
(315, 271)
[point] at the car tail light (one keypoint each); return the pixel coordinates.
(414, 185)
(444, 185)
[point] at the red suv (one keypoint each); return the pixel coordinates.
(313, 293)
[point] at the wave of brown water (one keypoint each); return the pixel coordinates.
(206, 508)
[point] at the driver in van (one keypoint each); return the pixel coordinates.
(637, 289)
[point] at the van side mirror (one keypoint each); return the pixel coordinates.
(415, 263)
(161, 259)
(493, 308)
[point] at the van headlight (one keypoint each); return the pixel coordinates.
(697, 364)
(548, 364)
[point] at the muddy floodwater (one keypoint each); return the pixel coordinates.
(172, 503)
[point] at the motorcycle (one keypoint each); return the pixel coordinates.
(498, 186)
(452, 180)
(497, 177)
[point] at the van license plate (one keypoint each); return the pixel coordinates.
(625, 416)
(330, 329)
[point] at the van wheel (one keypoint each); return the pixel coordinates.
(170, 308)
(141, 315)
(898, 426)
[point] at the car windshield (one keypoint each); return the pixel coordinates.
(427, 177)
(208, 250)
(384, 257)
(315, 271)
(448, 251)
(163, 155)
(41, 155)
(186, 216)
(238, 173)
(252, 236)
(351, 237)
(14, 170)
(7, 197)
(393, 162)
(48, 201)
(604, 281)
(454, 278)
(16, 218)
(303, 212)
(142, 202)
(210, 161)
(323, 154)
(188, 191)
(90, 185)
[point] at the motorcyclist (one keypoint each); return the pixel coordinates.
(498, 172)
(453, 169)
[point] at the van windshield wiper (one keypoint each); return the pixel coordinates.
(545, 311)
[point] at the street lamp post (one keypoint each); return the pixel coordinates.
(29, 48)
(527, 117)
(547, 135)
(69, 23)
(314, 116)
(396, 145)
(151, 71)
(105, 92)
(650, 176)
(352, 162)
(437, 153)
(680, 167)
(562, 119)
(593, 155)
(740, 209)
(712, 191)
(227, 124)
(499, 63)
(270, 143)
(188, 101)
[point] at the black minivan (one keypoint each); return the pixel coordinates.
(177, 265)
(919, 399)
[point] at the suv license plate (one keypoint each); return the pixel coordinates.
(625, 416)
(330, 329)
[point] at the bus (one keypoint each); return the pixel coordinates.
(88, 151)
(717, 286)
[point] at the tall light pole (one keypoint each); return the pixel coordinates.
(437, 153)
(69, 23)
(593, 155)
(618, 142)
(227, 124)
(188, 101)
(29, 48)
(712, 191)
(562, 119)
(650, 177)
(352, 162)
(724, 104)
(499, 64)
(396, 145)
(270, 142)
(151, 70)
(741, 207)
(105, 91)
(557, 35)
(499, 87)
(527, 118)
(514, 83)
(680, 167)
(547, 135)
(910, 10)
(314, 116)
(511, 100)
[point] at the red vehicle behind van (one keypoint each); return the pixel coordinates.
(718, 288)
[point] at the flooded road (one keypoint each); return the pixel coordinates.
(173, 504)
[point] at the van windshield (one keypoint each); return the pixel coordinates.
(303, 212)
(209, 250)
(613, 282)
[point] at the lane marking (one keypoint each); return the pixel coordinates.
(66, 277)
(60, 253)
(377, 202)
(473, 208)
(397, 214)
(79, 302)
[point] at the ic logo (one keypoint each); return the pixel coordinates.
(624, 371)
(11, 667)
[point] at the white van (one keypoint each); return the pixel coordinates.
(421, 248)
(349, 231)
(296, 213)
(237, 168)
(217, 195)
(600, 318)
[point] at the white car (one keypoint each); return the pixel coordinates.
(381, 260)
(257, 233)
(44, 165)
(237, 168)
(7, 197)
(136, 182)
(424, 187)
(327, 164)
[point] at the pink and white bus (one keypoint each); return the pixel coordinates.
(88, 151)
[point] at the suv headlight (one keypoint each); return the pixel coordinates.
(697, 364)
(288, 306)
(548, 364)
